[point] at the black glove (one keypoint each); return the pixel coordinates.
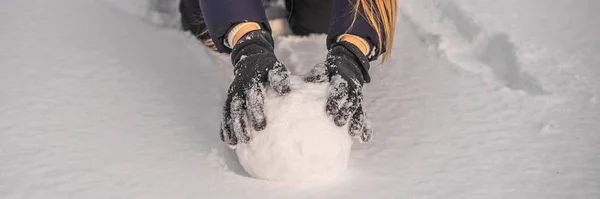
(255, 65)
(346, 69)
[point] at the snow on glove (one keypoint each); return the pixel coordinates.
(346, 69)
(255, 67)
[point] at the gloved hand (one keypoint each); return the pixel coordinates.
(255, 67)
(346, 70)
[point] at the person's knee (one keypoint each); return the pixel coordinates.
(309, 16)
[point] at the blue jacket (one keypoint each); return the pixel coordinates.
(221, 15)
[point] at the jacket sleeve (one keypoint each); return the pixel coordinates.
(341, 23)
(221, 15)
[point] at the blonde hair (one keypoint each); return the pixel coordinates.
(381, 15)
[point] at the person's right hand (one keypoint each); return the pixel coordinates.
(255, 67)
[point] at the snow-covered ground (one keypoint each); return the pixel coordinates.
(482, 99)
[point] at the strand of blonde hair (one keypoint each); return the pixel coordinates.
(381, 15)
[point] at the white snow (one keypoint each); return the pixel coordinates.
(481, 99)
(300, 143)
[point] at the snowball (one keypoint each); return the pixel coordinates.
(300, 143)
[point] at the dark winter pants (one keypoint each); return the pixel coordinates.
(333, 17)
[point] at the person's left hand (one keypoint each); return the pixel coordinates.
(346, 71)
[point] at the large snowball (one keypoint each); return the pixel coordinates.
(300, 143)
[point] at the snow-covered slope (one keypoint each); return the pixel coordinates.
(480, 100)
